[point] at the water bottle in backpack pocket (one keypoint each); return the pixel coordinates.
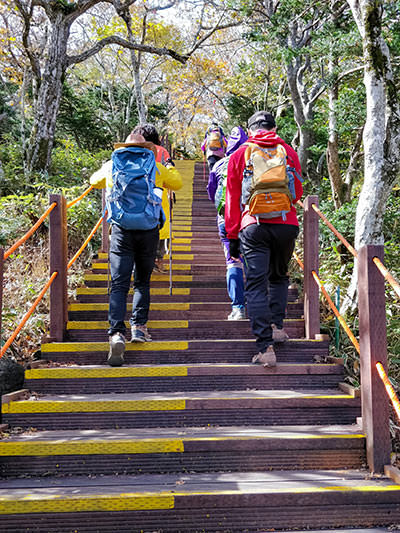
(134, 202)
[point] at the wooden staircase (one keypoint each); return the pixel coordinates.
(188, 436)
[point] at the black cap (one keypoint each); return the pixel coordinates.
(262, 120)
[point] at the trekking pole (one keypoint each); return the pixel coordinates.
(204, 167)
(170, 241)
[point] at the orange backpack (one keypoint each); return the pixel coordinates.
(214, 140)
(265, 186)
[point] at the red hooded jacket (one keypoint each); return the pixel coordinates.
(235, 218)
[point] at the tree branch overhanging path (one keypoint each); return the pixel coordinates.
(50, 68)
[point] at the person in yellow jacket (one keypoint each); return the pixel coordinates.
(150, 133)
(129, 248)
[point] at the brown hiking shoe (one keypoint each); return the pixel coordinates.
(267, 358)
(140, 334)
(279, 335)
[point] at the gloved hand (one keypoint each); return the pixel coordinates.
(234, 248)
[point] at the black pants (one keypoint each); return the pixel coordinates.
(267, 249)
(129, 248)
(211, 160)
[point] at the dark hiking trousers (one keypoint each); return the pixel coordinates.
(211, 160)
(266, 250)
(129, 248)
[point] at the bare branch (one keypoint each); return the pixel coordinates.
(114, 39)
(209, 34)
(27, 16)
(338, 79)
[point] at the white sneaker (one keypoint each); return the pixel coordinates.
(117, 349)
(237, 313)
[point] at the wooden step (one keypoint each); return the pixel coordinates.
(189, 503)
(185, 310)
(96, 331)
(186, 352)
(182, 450)
(189, 409)
(163, 378)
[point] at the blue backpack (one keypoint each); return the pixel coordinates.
(134, 202)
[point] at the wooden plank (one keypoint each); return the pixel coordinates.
(373, 349)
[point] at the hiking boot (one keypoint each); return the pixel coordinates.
(117, 348)
(279, 335)
(267, 358)
(140, 334)
(237, 313)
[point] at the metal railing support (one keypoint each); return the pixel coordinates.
(311, 263)
(58, 263)
(105, 226)
(373, 349)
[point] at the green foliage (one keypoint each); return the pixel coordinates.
(18, 214)
(72, 165)
(12, 166)
(8, 112)
(93, 117)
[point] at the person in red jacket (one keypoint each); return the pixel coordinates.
(266, 245)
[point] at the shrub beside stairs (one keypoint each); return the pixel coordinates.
(188, 436)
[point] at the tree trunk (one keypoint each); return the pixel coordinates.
(382, 129)
(353, 167)
(49, 96)
(381, 132)
(303, 115)
(332, 150)
(141, 106)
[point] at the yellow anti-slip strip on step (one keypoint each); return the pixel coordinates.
(60, 503)
(112, 372)
(104, 347)
(125, 446)
(181, 241)
(57, 503)
(103, 266)
(181, 233)
(155, 291)
(155, 324)
(181, 248)
(94, 447)
(154, 277)
(94, 406)
(156, 306)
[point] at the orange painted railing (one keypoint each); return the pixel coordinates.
(91, 235)
(372, 346)
(28, 314)
(55, 274)
(70, 204)
(389, 389)
(31, 231)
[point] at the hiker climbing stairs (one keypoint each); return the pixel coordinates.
(188, 435)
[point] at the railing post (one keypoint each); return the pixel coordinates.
(58, 263)
(373, 349)
(105, 226)
(311, 262)
(1, 290)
